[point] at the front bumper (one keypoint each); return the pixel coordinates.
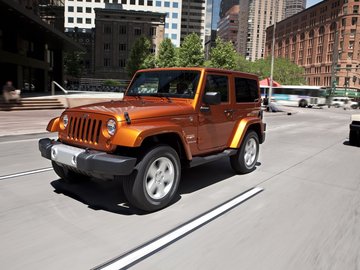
(87, 161)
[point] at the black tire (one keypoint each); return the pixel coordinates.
(67, 175)
(354, 138)
(154, 192)
(238, 161)
(302, 103)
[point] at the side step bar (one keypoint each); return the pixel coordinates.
(196, 161)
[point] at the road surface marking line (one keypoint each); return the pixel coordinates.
(25, 173)
(27, 140)
(138, 254)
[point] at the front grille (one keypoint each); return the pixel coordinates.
(84, 129)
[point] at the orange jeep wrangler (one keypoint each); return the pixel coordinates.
(169, 118)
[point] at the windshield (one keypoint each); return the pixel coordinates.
(167, 83)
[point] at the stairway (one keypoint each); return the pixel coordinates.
(32, 104)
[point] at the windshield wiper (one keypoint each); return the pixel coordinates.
(160, 95)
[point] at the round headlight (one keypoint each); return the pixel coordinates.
(111, 126)
(65, 120)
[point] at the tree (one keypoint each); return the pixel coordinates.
(167, 54)
(285, 71)
(223, 55)
(191, 52)
(138, 54)
(73, 63)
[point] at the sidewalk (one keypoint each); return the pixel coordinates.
(25, 122)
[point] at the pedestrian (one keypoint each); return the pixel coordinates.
(10, 93)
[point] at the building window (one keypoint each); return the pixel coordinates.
(123, 2)
(158, 3)
(166, 25)
(106, 47)
(70, 9)
(70, 20)
(122, 63)
(107, 29)
(175, 4)
(356, 9)
(97, 1)
(79, 20)
(141, 2)
(106, 62)
(166, 4)
(173, 36)
(88, 0)
(132, 2)
(354, 21)
(122, 47)
(137, 31)
(174, 26)
(175, 15)
(79, 9)
(150, 3)
(88, 21)
(153, 31)
(88, 10)
(122, 29)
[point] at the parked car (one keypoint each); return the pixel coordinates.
(338, 102)
(354, 136)
(169, 118)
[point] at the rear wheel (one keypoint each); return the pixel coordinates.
(68, 175)
(302, 103)
(354, 138)
(245, 159)
(153, 186)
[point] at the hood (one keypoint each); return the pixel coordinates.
(137, 109)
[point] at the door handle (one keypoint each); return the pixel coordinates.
(229, 111)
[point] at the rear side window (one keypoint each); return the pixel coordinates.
(218, 83)
(246, 90)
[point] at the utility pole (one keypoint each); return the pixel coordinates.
(272, 59)
(335, 58)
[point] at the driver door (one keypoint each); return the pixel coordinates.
(215, 121)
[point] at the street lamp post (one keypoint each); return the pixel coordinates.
(272, 56)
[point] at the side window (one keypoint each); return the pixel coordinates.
(246, 90)
(218, 83)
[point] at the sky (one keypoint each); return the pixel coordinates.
(310, 3)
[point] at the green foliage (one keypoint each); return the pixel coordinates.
(149, 62)
(73, 63)
(111, 83)
(139, 53)
(191, 52)
(223, 55)
(285, 72)
(167, 54)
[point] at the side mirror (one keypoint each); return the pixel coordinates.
(212, 98)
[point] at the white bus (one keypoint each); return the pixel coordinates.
(296, 95)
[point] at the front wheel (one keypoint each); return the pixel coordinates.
(153, 186)
(245, 159)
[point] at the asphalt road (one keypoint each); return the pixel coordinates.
(307, 216)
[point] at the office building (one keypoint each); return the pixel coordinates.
(31, 51)
(294, 6)
(116, 31)
(323, 39)
(254, 18)
(195, 19)
(81, 14)
(228, 25)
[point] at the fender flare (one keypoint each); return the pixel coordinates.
(54, 125)
(241, 129)
(134, 136)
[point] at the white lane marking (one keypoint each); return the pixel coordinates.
(25, 173)
(138, 254)
(27, 140)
